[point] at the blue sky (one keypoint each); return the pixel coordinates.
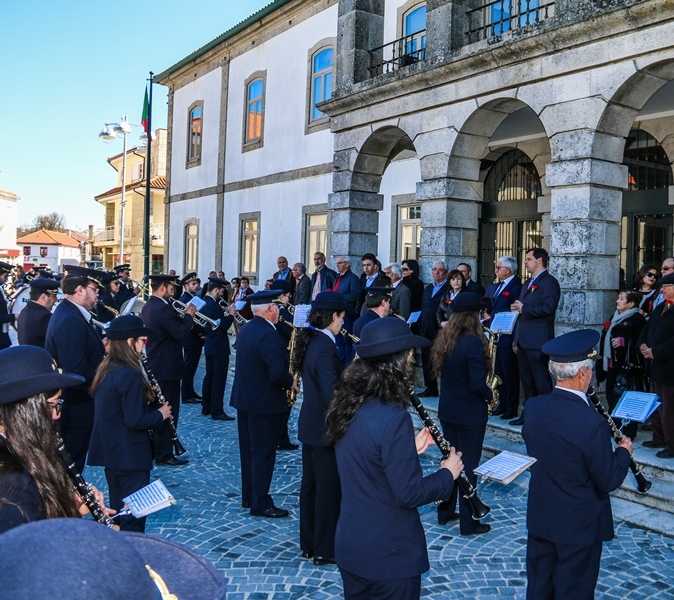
(68, 67)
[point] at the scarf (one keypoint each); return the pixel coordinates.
(615, 319)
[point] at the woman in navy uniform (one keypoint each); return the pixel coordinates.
(193, 344)
(34, 483)
(459, 357)
(108, 306)
(317, 359)
(33, 320)
(120, 440)
(380, 545)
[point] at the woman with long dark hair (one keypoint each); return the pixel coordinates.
(107, 306)
(316, 358)
(459, 357)
(34, 482)
(380, 545)
(122, 418)
(645, 282)
(456, 283)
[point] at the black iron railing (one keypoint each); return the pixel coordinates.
(500, 16)
(400, 53)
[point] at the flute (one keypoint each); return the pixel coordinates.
(84, 490)
(469, 492)
(643, 485)
(178, 448)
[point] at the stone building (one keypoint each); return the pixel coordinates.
(458, 130)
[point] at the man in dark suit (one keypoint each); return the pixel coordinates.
(569, 507)
(5, 318)
(323, 277)
(284, 273)
(370, 276)
(75, 344)
(165, 355)
(217, 351)
(471, 286)
(126, 288)
(302, 293)
(537, 306)
(501, 295)
(401, 300)
(347, 284)
(428, 322)
(259, 394)
(192, 344)
(33, 320)
(378, 303)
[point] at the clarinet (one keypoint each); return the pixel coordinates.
(469, 492)
(84, 490)
(643, 485)
(178, 448)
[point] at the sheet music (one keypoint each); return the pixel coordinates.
(129, 307)
(301, 315)
(240, 304)
(504, 322)
(149, 499)
(414, 317)
(505, 467)
(636, 406)
(198, 302)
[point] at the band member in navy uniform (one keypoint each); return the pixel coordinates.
(120, 441)
(317, 359)
(261, 381)
(569, 508)
(192, 344)
(33, 320)
(126, 288)
(75, 344)
(165, 355)
(5, 318)
(108, 306)
(378, 303)
(217, 351)
(501, 295)
(380, 545)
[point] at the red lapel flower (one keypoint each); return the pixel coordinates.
(448, 301)
(607, 324)
(505, 294)
(533, 288)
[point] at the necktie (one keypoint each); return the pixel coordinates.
(498, 290)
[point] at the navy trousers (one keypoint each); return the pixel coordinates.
(359, 588)
(122, 483)
(536, 379)
(508, 371)
(215, 382)
(192, 356)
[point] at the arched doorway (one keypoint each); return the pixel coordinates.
(647, 223)
(510, 222)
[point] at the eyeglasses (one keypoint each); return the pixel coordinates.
(651, 274)
(666, 268)
(56, 406)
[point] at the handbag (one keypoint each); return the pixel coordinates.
(631, 376)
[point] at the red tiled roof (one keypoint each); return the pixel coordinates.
(158, 183)
(44, 236)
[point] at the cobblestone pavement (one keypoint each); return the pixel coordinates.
(261, 557)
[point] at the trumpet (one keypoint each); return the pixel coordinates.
(199, 319)
(102, 326)
(354, 339)
(141, 286)
(240, 319)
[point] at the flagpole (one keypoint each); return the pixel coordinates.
(147, 242)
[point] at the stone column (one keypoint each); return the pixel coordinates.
(360, 28)
(586, 208)
(449, 218)
(446, 26)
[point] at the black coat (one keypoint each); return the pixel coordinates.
(536, 323)
(164, 346)
(416, 286)
(285, 330)
(381, 280)
(20, 500)
(328, 277)
(5, 320)
(659, 336)
(32, 324)
(103, 313)
(368, 317)
(476, 288)
(217, 340)
(262, 374)
(428, 323)
(320, 371)
(195, 339)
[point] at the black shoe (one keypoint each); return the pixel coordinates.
(191, 401)
(652, 444)
(271, 513)
(665, 454)
(174, 461)
(319, 561)
(519, 421)
(428, 393)
(499, 411)
(205, 412)
(288, 447)
(307, 553)
(449, 519)
(245, 504)
(480, 529)
(222, 417)
(509, 415)
(198, 397)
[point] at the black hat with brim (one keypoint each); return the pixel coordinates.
(281, 284)
(329, 301)
(125, 327)
(90, 274)
(467, 302)
(46, 286)
(263, 297)
(387, 335)
(163, 278)
(5, 267)
(27, 371)
(574, 346)
(188, 278)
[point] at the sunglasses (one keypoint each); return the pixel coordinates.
(56, 406)
(666, 268)
(651, 274)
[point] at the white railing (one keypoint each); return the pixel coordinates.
(110, 234)
(157, 232)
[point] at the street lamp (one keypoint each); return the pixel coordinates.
(110, 132)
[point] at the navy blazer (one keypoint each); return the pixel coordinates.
(5, 319)
(475, 287)
(20, 500)
(103, 313)
(349, 287)
(195, 339)
(76, 347)
(576, 469)
(302, 293)
(428, 322)
(328, 277)
(658, 335)
(379, 532)
(502, 303)
(121, 422)
(381, 280)
(261, 374)
(164, 346)
(464, 394)
(320, 371)
(536, 323)
(284, 330)
(368, 317)
(217, 340)
(125, 292)
(32, 324)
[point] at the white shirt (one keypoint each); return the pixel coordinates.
(328, 333)
(84, 311)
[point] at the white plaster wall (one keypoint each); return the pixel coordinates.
(203, 209)
(286, 147)
(206, 88)
(281, 221)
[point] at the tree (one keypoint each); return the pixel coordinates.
(52, 222)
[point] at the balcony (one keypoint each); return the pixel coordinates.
(157, 233)
(110, 235)
(500, 16)
(404, 52)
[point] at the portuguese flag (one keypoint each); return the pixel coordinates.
(144, 118)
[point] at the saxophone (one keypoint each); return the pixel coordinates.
(292, 392)
(493, 380)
